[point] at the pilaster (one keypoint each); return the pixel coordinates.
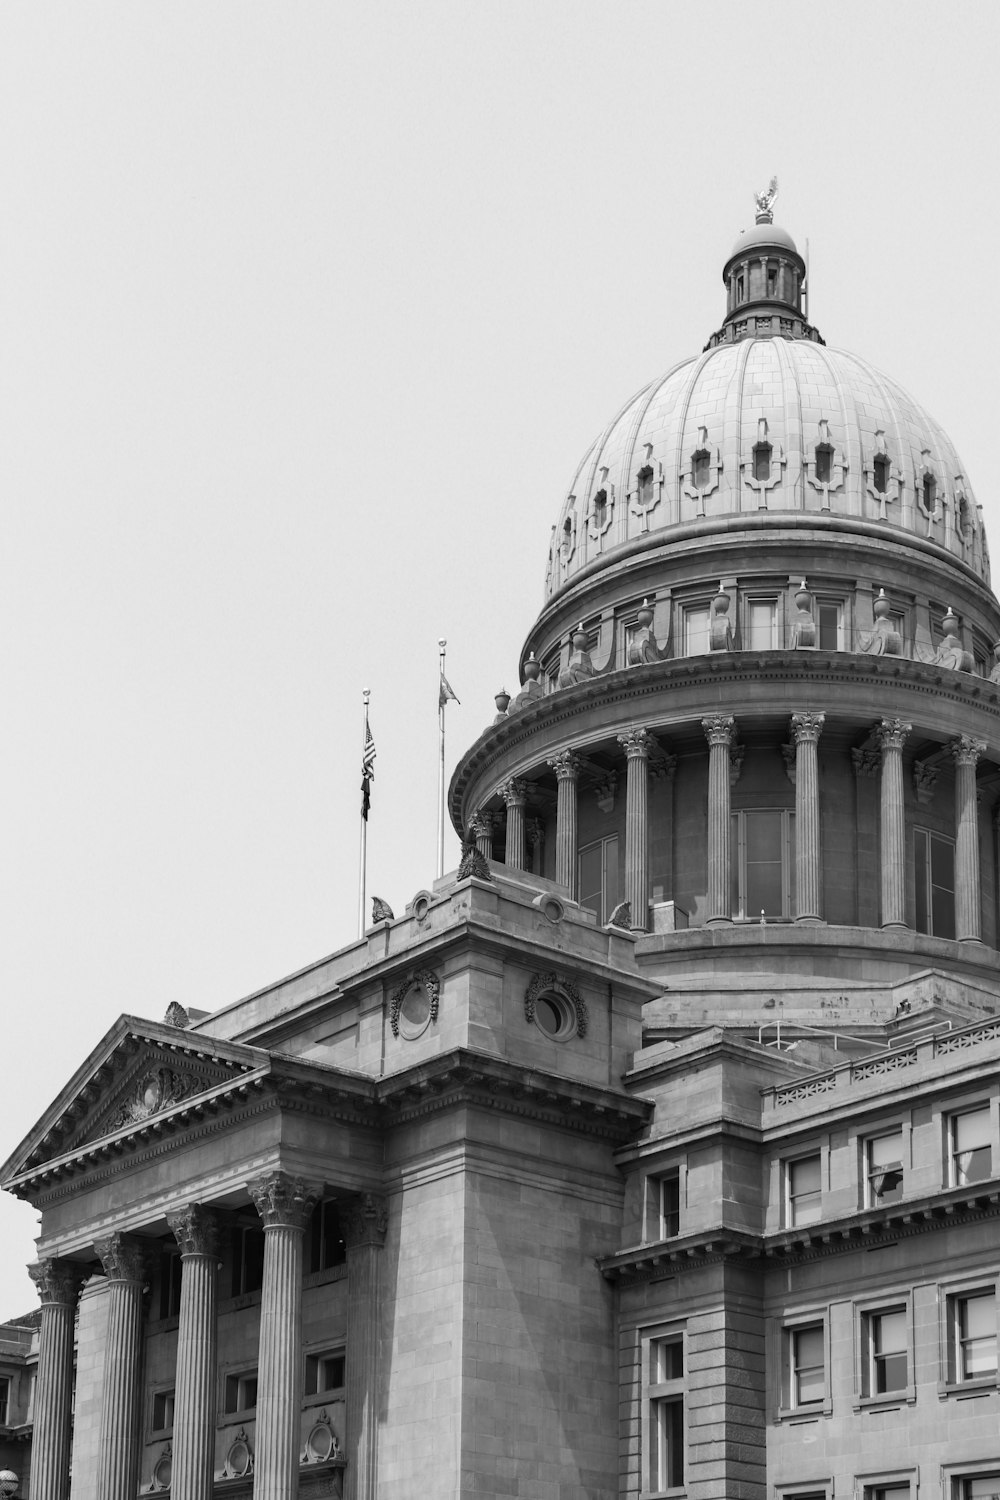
(720, 730)
(364, 1227)
(636, 743)
(806, 730)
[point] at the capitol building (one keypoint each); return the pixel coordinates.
(656, 1151)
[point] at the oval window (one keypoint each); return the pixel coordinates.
(415, 1011)
(555, 1016)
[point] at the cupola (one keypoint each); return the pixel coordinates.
(765, 279)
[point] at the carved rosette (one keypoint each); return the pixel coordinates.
(123, 1258)
(636, 743)
(566, 765)
(431, 984)
(719, 729)
(57, 1281)
(364, 1221)
(965, 751)
(550, 980)
(514, 792)
(807, 727)
(891, 734)
(196, 1229)
(283, 1200)
(866, 762)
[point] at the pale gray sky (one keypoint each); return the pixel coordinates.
(307, 313)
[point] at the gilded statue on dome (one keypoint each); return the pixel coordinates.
(765, 201)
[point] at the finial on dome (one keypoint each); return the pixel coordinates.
(765, 202)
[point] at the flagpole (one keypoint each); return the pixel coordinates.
(441, 703)
(363, 862)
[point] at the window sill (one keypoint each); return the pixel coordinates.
(984, 1387)
(237, 1418)
(325, 1398)
(807, 1412)
(905, 1397)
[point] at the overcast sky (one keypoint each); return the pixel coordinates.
(308, 313)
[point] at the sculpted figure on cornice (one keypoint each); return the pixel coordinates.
(884, 640)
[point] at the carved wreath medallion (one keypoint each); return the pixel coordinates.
(432, 988)
(549, 980)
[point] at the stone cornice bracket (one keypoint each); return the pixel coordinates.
(364, 1221)
(566, 765)
(281, 1199)
(123, 1258)
(807, 727)
(924, 781)
(636, 743)
(891, 733)
(514, 792)
(720, 729)
(57, 1281)
(867, 761)
(196, 1229)
(965, 751)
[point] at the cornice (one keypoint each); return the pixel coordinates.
(817, 671)
(864, 1230)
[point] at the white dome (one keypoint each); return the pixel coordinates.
(832, 435)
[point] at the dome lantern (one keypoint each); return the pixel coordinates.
(765, 279)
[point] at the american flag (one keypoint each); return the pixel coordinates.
(367, 770)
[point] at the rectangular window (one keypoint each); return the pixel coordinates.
(669, 1194)
(886, 1362)
(977, 1487)
(884, 1168)
(664, 1410)
(761, 625)
(803, 1190)
(241, 1391)
(970, 1146)
(972, 1335)
(934, 883)
(325, 1244)
(163, 1411)
(4, 1399)
(170, 1283)
(248, 1259)
(806, 1357)
(887, 1492)
(831, 624)
(762, 864)
(324, 1372)
(694, 620)
(597, 880)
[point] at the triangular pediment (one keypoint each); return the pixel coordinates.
(138, 1072)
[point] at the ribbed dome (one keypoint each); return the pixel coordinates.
(766, 425)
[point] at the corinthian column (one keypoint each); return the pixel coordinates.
(719, 731)
(807, 729)
(891, 735)
(567, 768)
(515, 794)
(636, 743)
(481, 826)
(284, 1204)
(364, 1226)
(196, 1231)
(117, 1472)
(966, 752)
(58, 1286)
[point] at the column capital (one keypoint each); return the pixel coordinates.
(123, 1257)
(566, 765)
(807, 727)
(57, 1281)
(514, 792)
(481, 824)
(720, 729)
(866, 762)
(636, 743)
(283, 1200)
(365, 1221)
(891, 733)
(965, 751)
(196, 1229)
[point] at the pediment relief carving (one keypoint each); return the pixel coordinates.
(153, 1082)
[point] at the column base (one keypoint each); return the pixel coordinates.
(808, 921)
(718, 922)
(970, 939)
(894, 927)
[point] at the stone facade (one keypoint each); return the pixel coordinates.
(660, 1157)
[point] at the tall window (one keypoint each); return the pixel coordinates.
(881, 473)
(762, 625)
(600, 510)
(664, 1410)
(970, 1146)
(163, 1411)
(806, 1363)
(929, 492)
(934, 883)
(762, 461)
(694, 621)
(241, 1391)
(884, 1168)
(598, 879)
(803, 1190)
(978, 1487)
(824, 463)
(701, 469)
(325, 1243)
(772, 281)
(831, 624)
(4, 1399)
(886, 1364)
(762, 864)
(644, 481)
(668, 1203)
(248, 1259)
(972, 1335)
